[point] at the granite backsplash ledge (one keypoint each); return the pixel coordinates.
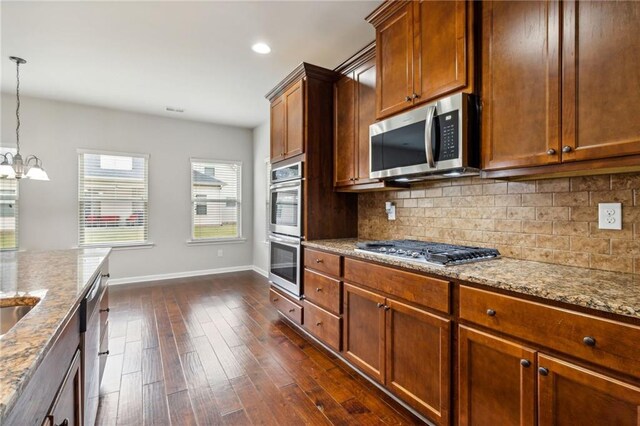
(551, 220)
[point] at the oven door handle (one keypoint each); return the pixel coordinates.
(292, 242)
(291, 184)
(428, 142)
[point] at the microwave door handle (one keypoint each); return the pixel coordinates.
(428, 142)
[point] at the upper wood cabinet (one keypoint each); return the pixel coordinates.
(556, 99)
(601, 80)
(287, 123)
(520, 84)
(354, 112)
(424, 50)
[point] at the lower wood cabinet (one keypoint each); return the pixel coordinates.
(67, 405)
(496, 380)
(322, 324)
(571, 395)
(402, 347)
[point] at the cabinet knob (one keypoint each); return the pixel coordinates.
(491, 312)
(318, 289)
(292, 310)
(525, 363)
(105, 310)
(319, 323)
(103, 353)
(415, 96)
(551, 151)
(589, 341)
(380, 305)
(386, 308)
(407, 98)
(319, 260)
(543, 371)
(566, 148)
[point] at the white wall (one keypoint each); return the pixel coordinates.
(49, 210)
(260, 154)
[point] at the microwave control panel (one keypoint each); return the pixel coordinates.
(447, 136)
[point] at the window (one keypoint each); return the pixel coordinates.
(8, 211)
(215, 200)
(113, 199)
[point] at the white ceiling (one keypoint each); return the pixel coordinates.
(145, 56)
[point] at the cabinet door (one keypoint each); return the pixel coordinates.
(394, 50)
(68, 402)
(277, 129)
(440, 53)
(364, 330)
(497, 380)
(365, 78)
(345, 122)
(571, 395)
(294, 98)
(418, 359)
(601, 75)
(521, 85)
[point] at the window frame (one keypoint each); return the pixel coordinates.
(192, 201)
(16, 199)
(128, 244)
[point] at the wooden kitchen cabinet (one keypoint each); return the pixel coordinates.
(424, 50)
(278, 134)
(403, 347)
(496, 380)
(572, 395)
(287, 123)
(67, 405)
(520, 84)
(601, 76)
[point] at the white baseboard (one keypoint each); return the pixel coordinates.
(260, 271)
(186, 274)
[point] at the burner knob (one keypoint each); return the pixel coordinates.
(383, 249)
(415, 254)
(392, 250)
(400, 251)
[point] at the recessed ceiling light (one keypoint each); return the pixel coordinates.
(173, 109)
(261, 48)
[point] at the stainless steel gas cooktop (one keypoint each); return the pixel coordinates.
(425, 252)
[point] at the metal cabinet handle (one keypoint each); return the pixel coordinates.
(543, 371)
(525, 363)
(103, 353)
(491, 312)
(292, 310)
(65, 422)
(275, 299)
(105, 310)
(318, 289)
(551, 151)
(589, 341)
(566, 148)
(319, 261)
(107, 275)
(380, 305)
(415, 96)
(319, 323)
(386, 308)
(407, 98)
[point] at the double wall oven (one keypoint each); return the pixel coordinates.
(285, 228)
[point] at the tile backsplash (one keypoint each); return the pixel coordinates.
(551, 220)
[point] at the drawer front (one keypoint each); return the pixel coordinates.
(323, 324)
(604, 342)
(288, 308)
(104, 313)
(427, 291)
(322, 262)
(322, 290)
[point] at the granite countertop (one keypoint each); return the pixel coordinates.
(604, 291)
(57, 280)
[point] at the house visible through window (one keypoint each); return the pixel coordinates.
(112, 198)
(8, 211)
(215, 199)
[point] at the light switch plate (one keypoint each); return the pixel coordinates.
(610, 216)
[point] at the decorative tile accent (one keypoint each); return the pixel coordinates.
(562, 213)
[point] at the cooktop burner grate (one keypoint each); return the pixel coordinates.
(426, 252)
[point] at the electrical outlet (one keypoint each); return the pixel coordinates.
(220, 253)
(610, 216)
(390, 208)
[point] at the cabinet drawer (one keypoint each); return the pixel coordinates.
(323, 324)
(287, 307)
(605, 342)
(420, 289)
(322, 262)
(322, 290)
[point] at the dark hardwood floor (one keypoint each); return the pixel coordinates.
(211, 350)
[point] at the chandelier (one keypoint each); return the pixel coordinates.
(13, 166)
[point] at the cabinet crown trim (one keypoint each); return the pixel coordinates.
(360, 57)
(301, 71)
(386, 9)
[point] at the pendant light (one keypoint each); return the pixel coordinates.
(13, 166)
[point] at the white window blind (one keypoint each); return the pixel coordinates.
(8, 211)
(113, 199)
(215, 200)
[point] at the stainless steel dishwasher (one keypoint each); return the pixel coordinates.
(90, 338)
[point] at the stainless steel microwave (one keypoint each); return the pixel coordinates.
(439, 139)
